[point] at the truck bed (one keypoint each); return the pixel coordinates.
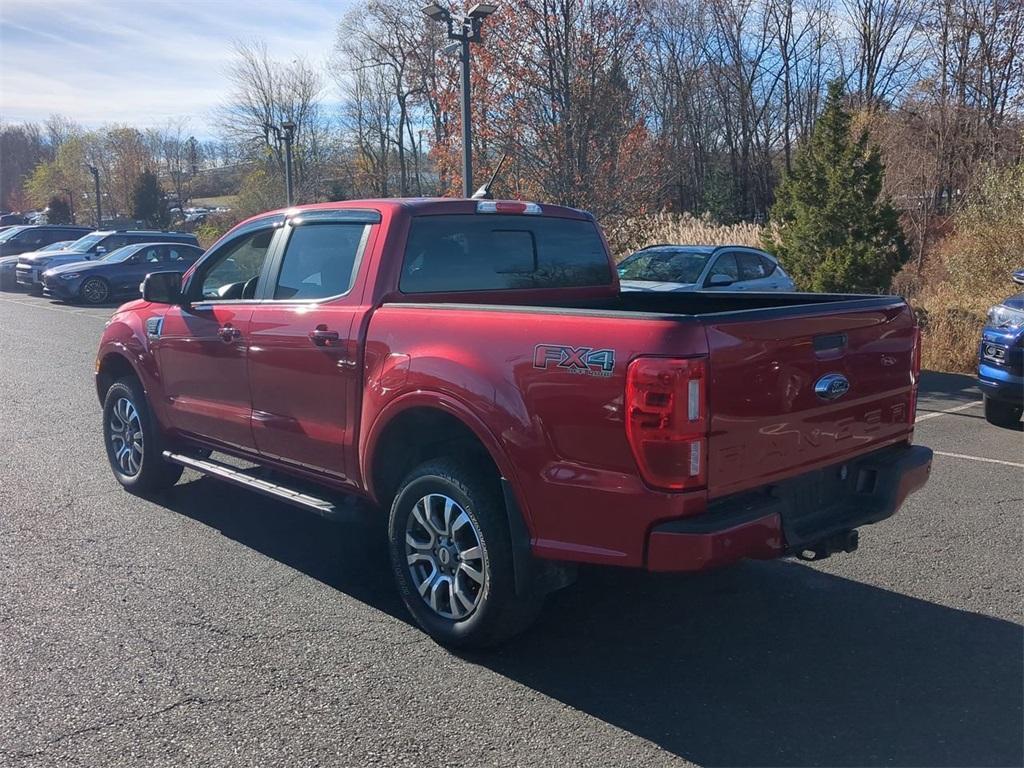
(565, 428)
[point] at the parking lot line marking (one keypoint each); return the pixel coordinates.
(978, 458)
(954, 409)
(82, 312)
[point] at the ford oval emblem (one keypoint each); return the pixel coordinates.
(831, 386)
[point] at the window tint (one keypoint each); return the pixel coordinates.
(767, 265)
(236, 267)
(751, 266)
(319, 261)
(179, 254)
(726, 265)
(114, 241)
(674, 266)
(150, 255)
(487, 252)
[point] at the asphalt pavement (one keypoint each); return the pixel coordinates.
(211, 626)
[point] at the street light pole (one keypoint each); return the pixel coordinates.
(71, 203)
(99, 209)
(464, 30)
(467, 124)
(286, 133)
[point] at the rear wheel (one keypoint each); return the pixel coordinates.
(134, 444)
(451, 553)
(95, 290)
(1003, 414)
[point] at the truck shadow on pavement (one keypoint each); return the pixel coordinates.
(765, 663)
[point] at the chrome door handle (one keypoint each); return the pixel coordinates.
(228, 333)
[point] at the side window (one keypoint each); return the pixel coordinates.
(150, 255)
(52, 236)
(726, 265)
(751, 266)
(319, 261)
(113, 242)
(768, 265)
(235, 269)
(176, 254)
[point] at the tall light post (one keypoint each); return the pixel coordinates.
(464, 30)
(96, 179)
(285, 133)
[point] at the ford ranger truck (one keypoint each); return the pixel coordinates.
(472, 369)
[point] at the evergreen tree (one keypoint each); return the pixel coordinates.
(831, 229)
(149, 203)
(58, 211)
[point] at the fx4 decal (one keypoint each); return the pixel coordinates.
(585, 361)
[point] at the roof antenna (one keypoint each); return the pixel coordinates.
(484, 193)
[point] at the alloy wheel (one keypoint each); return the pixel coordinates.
(445, 557)
(95, 291)
(125, 435)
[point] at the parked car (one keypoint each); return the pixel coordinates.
(472, 367)
(26, 238)
(119, 273)
(702, 267)
(11, 219)
(1001, 360)
(29, 272)
(8, 264)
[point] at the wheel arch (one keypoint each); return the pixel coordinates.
(110, 367)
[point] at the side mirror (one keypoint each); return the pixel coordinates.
(162, 288)
(718, 280)
(100, 250)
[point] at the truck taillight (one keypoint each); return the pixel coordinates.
(915, 372)
(666, 420)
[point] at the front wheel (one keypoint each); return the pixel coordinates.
(94, 290)
(451, 553)
(133, 442)
(1002, 414)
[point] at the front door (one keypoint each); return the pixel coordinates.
(203, 348)
(303, 358)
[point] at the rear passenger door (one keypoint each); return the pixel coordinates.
(304, 356)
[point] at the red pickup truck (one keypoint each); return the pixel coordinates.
(472, 368)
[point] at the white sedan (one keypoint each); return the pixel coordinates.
(702, 268)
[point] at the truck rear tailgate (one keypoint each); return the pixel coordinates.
(766, 420)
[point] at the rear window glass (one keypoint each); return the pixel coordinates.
(484, 252)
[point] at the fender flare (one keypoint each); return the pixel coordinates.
(526, 567)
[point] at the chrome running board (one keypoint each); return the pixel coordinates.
(241, 478)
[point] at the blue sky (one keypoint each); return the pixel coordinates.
(146, 61)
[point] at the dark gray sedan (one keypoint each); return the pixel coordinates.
(119, 273)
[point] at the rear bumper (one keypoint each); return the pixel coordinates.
(789, 516)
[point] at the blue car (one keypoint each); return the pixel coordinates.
(1001, 360)
(118, 273)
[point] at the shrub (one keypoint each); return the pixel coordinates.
(627, 234)
(834, 230)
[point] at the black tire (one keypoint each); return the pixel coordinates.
(499, 613)
(1003, 414)
(94, 290)
(151, 472)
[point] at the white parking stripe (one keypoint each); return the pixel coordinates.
(979, 458)
(954, 409)
(65, 310)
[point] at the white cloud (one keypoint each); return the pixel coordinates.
(146, 61)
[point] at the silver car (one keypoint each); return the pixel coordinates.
(702, 268)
